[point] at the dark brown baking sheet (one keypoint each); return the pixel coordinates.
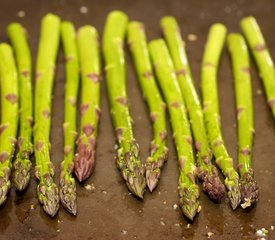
(106, 210)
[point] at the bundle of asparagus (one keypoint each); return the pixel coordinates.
(240, 63)
(213, 49)
(9, 117)
(207, 172)
(67, 190)
(128, 160)
(138, 47)
(47, 50)
(188, 189)
(22, 163)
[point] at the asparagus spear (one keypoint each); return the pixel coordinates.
(47, 50)
(207, 172)
(67, 190)
(9, 117)
(243, 92)
(256, 42)
(87, 41)
(22, 163)
(188, 189)
(212, 52)
(158, 150)
(128, 160)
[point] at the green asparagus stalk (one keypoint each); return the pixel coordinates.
(256, 42)
(22, 163)
(212, 52)
(243, 92)
(47, 50)
(158, 149)
(207, 172)
(67, 190)
(128, 160)
(188, 189)
(9, 117)
(88, 48)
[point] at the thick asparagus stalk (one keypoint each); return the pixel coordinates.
(256, 42)
(243, 92)
(158, 150)
(47, 50)
(212, 52)
(22, 163)
(90, 101)
(9, 117)
(207, 172)
(128, 160)
(188, 189)
(67, 190)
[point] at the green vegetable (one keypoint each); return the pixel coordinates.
(158, 154)
(212, 52)
(22, 163)
(188, 189)
(128, 160)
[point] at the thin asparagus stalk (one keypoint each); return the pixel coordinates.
(88, 48)
(67, 190)
(256, 42)
(22, 163)
(212, 52)
(128, 160)
(9, 117)
(244, 104)
(158, 149)
(207, 172)
(47, 50)
(188, 189)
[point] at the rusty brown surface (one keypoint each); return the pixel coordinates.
(106, 210)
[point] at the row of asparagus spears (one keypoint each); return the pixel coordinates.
(162, 69)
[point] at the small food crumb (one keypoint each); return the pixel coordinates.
(129, 194)
(175, 206)
(21, 14)
(199, 208)
(58, 230)
(158, 193)
(176, 224)
(89, 222)
(210, 234)
(58, 221)
(83, 9)
(162, 223)
(124, 232)
(32, 207)
(30, 229)
(164, 202)
(90, 187)
(104, 192)
(188, 225)
(192, 37)
(259, 92)
(140, 211)
(271, 228)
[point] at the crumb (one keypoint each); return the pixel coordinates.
(210, 234)
(188, 225)
(129, 194)
(158, 193)
(58, 221)
(175, 206)
(124, 232)
(104, 192)
(164, 202)
(162, 223)
(192, 37)
(199, 209)
(30, 229)
(32, 206)
(83, 9)
(177, 224)
(272, 228)
(89, 187)
(21, 14)
(140, 211)
(89, 222)
(58, 230)
(259, 92)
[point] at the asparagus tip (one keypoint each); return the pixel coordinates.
(234, 193)
(152, 179)
(213, 186)
(5, 185)
(249, 189)
(48, 197)
(137, 186)
(68, 195)
(21, 177)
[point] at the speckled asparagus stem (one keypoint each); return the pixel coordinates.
(67, 191)
(22, 163)
(128, 160)
(9, 117)
(244, 104)
(188, 189)
(262, 57)
(212, 53)
(207, 172)
(159, 152)
(88, 48)
(47, 190)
